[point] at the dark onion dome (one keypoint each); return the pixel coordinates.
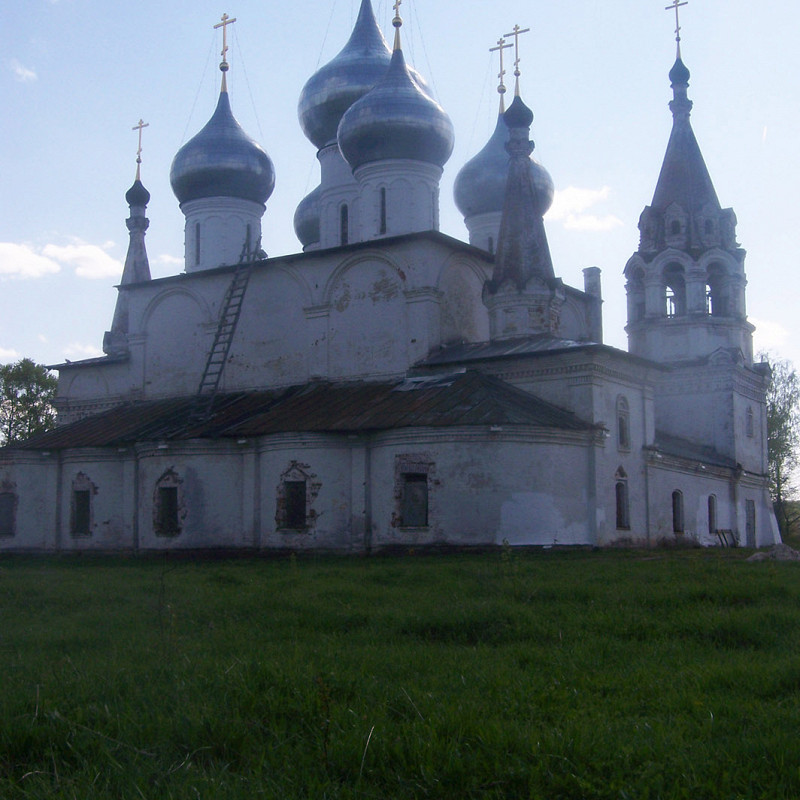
(222, 161)
(331, 90)
(306, 218)
(519, 117)
(137, 196)
(679, 74)
(397, 119)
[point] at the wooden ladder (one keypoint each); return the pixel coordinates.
(223, 338)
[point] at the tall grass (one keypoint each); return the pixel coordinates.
(541, 675)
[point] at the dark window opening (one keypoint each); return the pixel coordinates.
(491, 245)
(295, 504)
(750, 427)
(709, 226)
(344, 225)
(167, 515)
(623, 425)
(197, 244)
(81, 512)
(677, 512)
(675, 227)
(712, 513)
(7, 509)
(414, 500)
(750, 522)
(623, 514)
(383, 210)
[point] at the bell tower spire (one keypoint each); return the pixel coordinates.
(686, 282)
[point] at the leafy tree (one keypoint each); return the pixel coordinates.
(783, 438)
(26, 400)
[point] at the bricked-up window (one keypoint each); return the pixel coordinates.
(414, 500)
(295, 504)
(167, 521)
(8, 507)
(81, 512)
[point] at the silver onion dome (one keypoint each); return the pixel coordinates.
(306, 219)
(397, 119)
(480, 185)
(331, 90)
(222, 161)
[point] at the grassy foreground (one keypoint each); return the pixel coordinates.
(508, 675)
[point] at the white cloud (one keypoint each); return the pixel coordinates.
(7, 355)
(769, 335)
(570, 204)
(77, 351)
(88, 260)
(168, 260)
(22, 73)
(22, 261)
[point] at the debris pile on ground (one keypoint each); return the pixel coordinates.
(781, 552)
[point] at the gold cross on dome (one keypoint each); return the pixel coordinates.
(516, 34)
(138, 127)
(676, 4)
(501, 45)
(226, 20)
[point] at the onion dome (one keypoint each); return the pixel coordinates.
(679, 73)
(222, 161)
(306, 219)
(331, 90)
(397, 119)
(137, 196)
(480, 186)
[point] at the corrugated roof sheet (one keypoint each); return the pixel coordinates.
(468, 398)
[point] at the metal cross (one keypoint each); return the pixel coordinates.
(516, 34)
(501, 45)
(676, 4)
(226, 20)
(142, 124)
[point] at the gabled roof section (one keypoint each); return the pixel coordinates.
(466, 398)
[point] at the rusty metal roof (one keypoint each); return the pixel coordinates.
(465, 398)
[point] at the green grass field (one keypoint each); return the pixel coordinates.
(507, 675)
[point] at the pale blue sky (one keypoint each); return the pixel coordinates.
(76, 76)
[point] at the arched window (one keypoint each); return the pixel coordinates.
(675, 291)
(716, 292)
(622, 504)
(382, 228)
(677, 512)
(712, 513)
(750, 427)
(296, 493)
(344, 224)
(623, 424)
(636, 296)
(675, 227)
(197, 244)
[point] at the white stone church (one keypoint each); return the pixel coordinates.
(390, 386)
